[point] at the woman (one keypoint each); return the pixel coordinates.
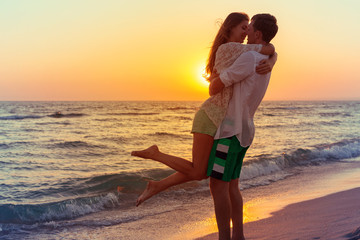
(231, 33)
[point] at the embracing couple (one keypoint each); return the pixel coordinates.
(223, 128)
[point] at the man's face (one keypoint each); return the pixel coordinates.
(251, 33)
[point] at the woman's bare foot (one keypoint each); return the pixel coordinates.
(147, 153)
(148, 193)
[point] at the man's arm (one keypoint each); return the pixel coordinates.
(265, 66)
(237, 72)
(216, 86)
(268, 49)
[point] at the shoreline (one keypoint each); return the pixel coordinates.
(193, 217)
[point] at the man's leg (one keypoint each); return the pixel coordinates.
(220, 193)
(236, 210)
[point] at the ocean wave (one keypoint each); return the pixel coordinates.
(7, 162)
(269, 114)
(55, 115)
(267, 126)
(70, 222)
(165, 134)
(266, 165)
(68, 115)
(322, 123)
(20, 117)
(128, 183)
(109, 119)
(338, 151)
(32, 130)
(68, 209)
(54, 123)
(4, 146)
(117, 139)
(26, 168)
(335, 114)
(284, 108)
(354, 235)
(262, 165)
(16, 144)
(180, 108)
(75, 144)
(84, 196)
(132, 114)
(301, 125)
(184, 118)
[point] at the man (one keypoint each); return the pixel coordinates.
(237, 130)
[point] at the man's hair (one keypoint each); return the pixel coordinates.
(266, 24)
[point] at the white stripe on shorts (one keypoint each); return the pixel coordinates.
(222, 148)
(218, 168)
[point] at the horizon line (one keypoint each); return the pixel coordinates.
(267, 100)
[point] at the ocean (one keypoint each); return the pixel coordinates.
(61, 163)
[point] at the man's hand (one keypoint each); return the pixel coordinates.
(264, 67)
(216, 85)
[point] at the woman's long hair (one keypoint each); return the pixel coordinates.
(223, 36)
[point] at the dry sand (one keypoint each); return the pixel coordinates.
(336, 216)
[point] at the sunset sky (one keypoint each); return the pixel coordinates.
(157, 49)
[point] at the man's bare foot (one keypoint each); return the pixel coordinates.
(148, 193)
(147, 153)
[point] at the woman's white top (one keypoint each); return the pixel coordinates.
(215, 106)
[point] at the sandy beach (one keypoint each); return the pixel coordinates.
(301, 213)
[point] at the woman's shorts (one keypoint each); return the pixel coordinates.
(226, 159)
(203, 124)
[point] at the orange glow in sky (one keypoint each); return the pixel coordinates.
(156, 50)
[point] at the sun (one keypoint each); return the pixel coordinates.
(201, 75)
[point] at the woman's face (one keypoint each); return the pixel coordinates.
(238, 33)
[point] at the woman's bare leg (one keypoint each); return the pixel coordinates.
(186, 171)
(155, 187)
(196, 170)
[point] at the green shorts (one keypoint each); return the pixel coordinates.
(226, 159)
(203, 124)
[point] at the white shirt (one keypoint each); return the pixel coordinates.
(215, 106)
(248, 91)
